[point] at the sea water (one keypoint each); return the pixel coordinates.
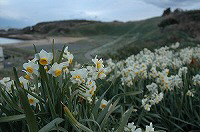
(8, 41)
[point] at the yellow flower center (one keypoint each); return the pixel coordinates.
(31, 100)
(167, 72)
(103, 105)
(21, 84)
(83, 80)
(29, 69)
(64, 67)
(58, 72)
(43, 61)
(92, 91)
(77, 76)
(101, 72)
(98, 65)
(70, 61)
(28, 77)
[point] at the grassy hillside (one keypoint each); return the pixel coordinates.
(131, 37)
(147, 34)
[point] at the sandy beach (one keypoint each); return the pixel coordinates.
(46, 41)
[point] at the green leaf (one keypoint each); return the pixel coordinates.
(73, 121)
(103, 113)
(84, 128)
(34, 95)
(51, 125)
(61, 54)
(125, 118)
(47, 89)
(112, 108)
(53, 51)
(12, 118)
(183, 121)
(59, 129)
(96, 107)
(177, 126)
(30, 118)
(35, 49)
(127, 94)
(10, 103)
(92, 121)
(154, 115)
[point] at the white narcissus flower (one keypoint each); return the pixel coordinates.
(101, 74)
(23, 82)
(103, 104)
(144, 101)
(131, 125)
(28, 76)
(7, 83)
(31, 67)
(147, 107)
(66, 50)
(68, 55)
(158, 98)
(96, 74)
(56, 69)
(4, 80)
(152, 88)
(88, 93)
(149, 128)
(91, 85)
(190, 93)
(196, 79)
(132, 128)
(44, 57)
(98, 63)
(32, 100)
(78, 76)
(182, 71)
(70, 58)
(91, 88)
(65, 68)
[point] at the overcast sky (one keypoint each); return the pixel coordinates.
(30, 12)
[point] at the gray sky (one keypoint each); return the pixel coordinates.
(29, 12)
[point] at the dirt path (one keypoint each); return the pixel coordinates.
(110, 47)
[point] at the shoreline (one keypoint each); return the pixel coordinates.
(22, 36)
(44, 41)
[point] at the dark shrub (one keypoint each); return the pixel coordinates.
(167, 22)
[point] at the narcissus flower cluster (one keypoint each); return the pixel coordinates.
(157, 74)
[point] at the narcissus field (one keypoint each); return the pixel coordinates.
(152, 91)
